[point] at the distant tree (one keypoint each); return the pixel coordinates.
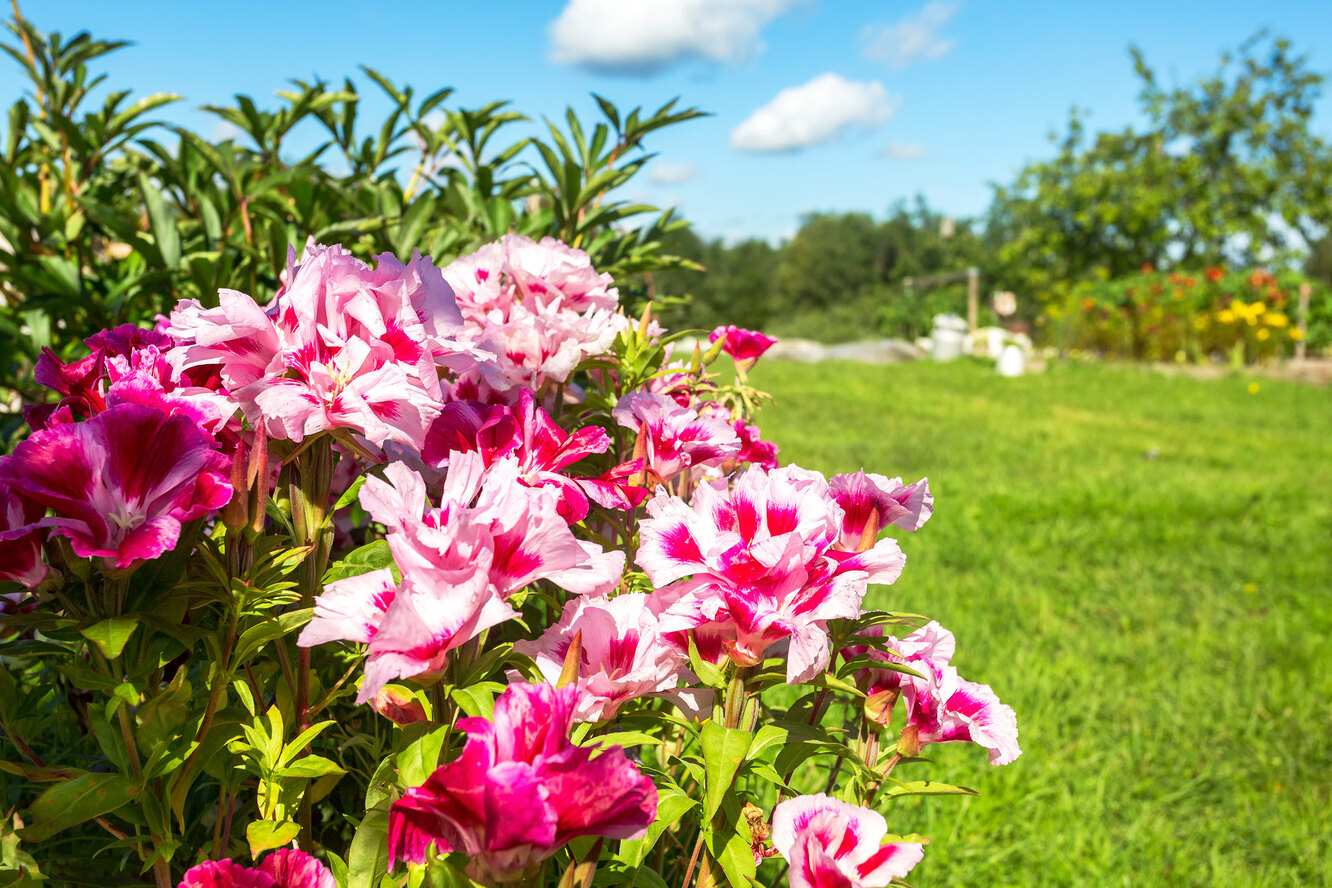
(832, 257)
(1227, 170)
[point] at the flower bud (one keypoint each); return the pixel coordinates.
(908, 745)
(399, 706)
(879, 706)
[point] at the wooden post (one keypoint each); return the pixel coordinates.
(1302, 319)
(973, 299)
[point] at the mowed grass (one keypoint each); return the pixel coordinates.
(1142, 567)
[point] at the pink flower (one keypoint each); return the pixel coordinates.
(941, 707)
(285, 868)
(542, 449)
(764, 564)
(342, 346)
(623, 653)
(745, 346)
(123, 482)
(753, 450)
(676, 438)
(490, 537)
(20, 535)
(539, 307)
(831, 844)
(874, 502)
(521, 790)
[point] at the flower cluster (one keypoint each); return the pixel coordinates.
(562, 588)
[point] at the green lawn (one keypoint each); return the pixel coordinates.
(1142, 567)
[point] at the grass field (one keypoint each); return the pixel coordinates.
(1142, 567)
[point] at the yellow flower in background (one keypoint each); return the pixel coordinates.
(1250, 588)
(1276, 319)
(1263, 334)
(1253, 388)
(1296, 333)
(1258, 308)
(1226, 316)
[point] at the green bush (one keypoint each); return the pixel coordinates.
(108, 216)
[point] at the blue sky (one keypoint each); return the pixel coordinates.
(883, 100)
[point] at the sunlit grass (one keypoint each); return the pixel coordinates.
(1142, 567)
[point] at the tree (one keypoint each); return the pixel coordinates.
(1227, 170)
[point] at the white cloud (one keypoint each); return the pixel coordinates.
(914, 38)
(903, 151)
(224, 130)
(803, 116)
(666, 173)
(646, 36)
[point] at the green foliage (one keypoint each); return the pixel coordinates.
(108, 217)
(840, 278)
(1226, 170)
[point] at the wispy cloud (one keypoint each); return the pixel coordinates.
(814, 113)
(645, 37)
(224, 130)
(914, 39)
(903, 151)
(666, 173)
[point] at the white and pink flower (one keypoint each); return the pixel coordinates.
(832, 844)
(623, 654)
(941, 706)
(760, 563)
(539, 307)
(489, 537)
(341, 346)
(676, 438)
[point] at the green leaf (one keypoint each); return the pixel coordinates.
(419, 759)
(672, 804)
(165, 233)
(477, 700)
(83, 798)
(312, 766)
(265, 835)
(367, 859)
(708, 674)
(349, 495)
(925, 787)
(723, 751)
(111, 636)
(768, 737)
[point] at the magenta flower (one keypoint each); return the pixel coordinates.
(520, 791)
(122, 483)
(82, 383)
(285, 868)
(341, 346)
(752, 449)
(745, 346)
(941, 707)
(831, 844)
(623, 653)
(20, 535)
(490, 537)
(872, 502)
(676, 438)
(542, 449)
(763, 565)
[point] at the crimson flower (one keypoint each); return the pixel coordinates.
(122, 483)
(285, 868)
(745, 346)
(521, 790)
